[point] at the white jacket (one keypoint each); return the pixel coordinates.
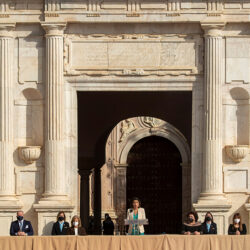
(141, 216)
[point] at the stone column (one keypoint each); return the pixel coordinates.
(212, 150)
(54, 120)
(84, 193)
(7, 183)
(55, 197)
(211, 197)
(9, 204)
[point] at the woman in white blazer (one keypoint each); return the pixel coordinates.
(136, 213)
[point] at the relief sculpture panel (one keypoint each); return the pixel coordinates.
(132, 55)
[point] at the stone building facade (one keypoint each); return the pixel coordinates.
(50, 50)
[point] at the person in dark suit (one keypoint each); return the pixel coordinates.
(61, 226)
(208, 226)
(76, 227)
(108, 225)
(21, 227)
(237, 228)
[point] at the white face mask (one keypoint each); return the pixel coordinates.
(236, 221)
(75, 223)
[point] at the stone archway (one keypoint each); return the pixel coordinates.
(122, 138)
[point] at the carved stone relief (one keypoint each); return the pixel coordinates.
(138, 55)
(127, 127)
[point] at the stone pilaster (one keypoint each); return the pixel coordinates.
(55, 197)
(211, 197)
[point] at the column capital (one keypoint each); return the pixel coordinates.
(6, 29)
(54, 29)
(213, 29)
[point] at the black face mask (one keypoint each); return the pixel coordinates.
(190, 219)
(20, 218)
(208, 219)
(60, 218)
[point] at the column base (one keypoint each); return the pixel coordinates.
(8, 209)
(55, 198)
(213, 198)
(47, 213)
(218, 205)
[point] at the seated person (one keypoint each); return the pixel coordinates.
(61, 226)
(191, 226)
(208, 226)
(76, 227)
(108, 225)
(21, 227)
(237, 228)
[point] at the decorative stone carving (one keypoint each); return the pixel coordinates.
(237, 152)
(29, 154)
(151, 122)
(106, 55)
(127, 127)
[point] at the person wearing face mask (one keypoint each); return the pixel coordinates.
(208, 226)
(237, 228)
(192, 226)
(21, 227)
(61, 226)
(76, 227)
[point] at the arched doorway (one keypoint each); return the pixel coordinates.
(154, 174)
(124, 136)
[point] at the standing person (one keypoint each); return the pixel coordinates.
(76, 227)
(136, 213)
(108, 225)
(21, 227)
(208, 226)
(192, 226)
(61, 226)
(237, 228)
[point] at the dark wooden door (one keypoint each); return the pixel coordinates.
(154, 175)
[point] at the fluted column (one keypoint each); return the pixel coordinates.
(212, 198)
(54, 144)
(7, 184)
(212, 153)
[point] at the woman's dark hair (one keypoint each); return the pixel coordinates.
(238, 216)
(210, 215)
(58, 215)
(135, 199)
(196, 217)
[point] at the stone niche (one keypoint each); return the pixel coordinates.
(29, 176)
(236, 140)
(29, 117)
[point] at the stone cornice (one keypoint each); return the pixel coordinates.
(6, 29)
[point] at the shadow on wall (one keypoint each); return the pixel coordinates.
(241, 97)
(48, 228)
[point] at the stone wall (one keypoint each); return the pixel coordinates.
(52, 49)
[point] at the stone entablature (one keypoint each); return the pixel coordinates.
(123, 10)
